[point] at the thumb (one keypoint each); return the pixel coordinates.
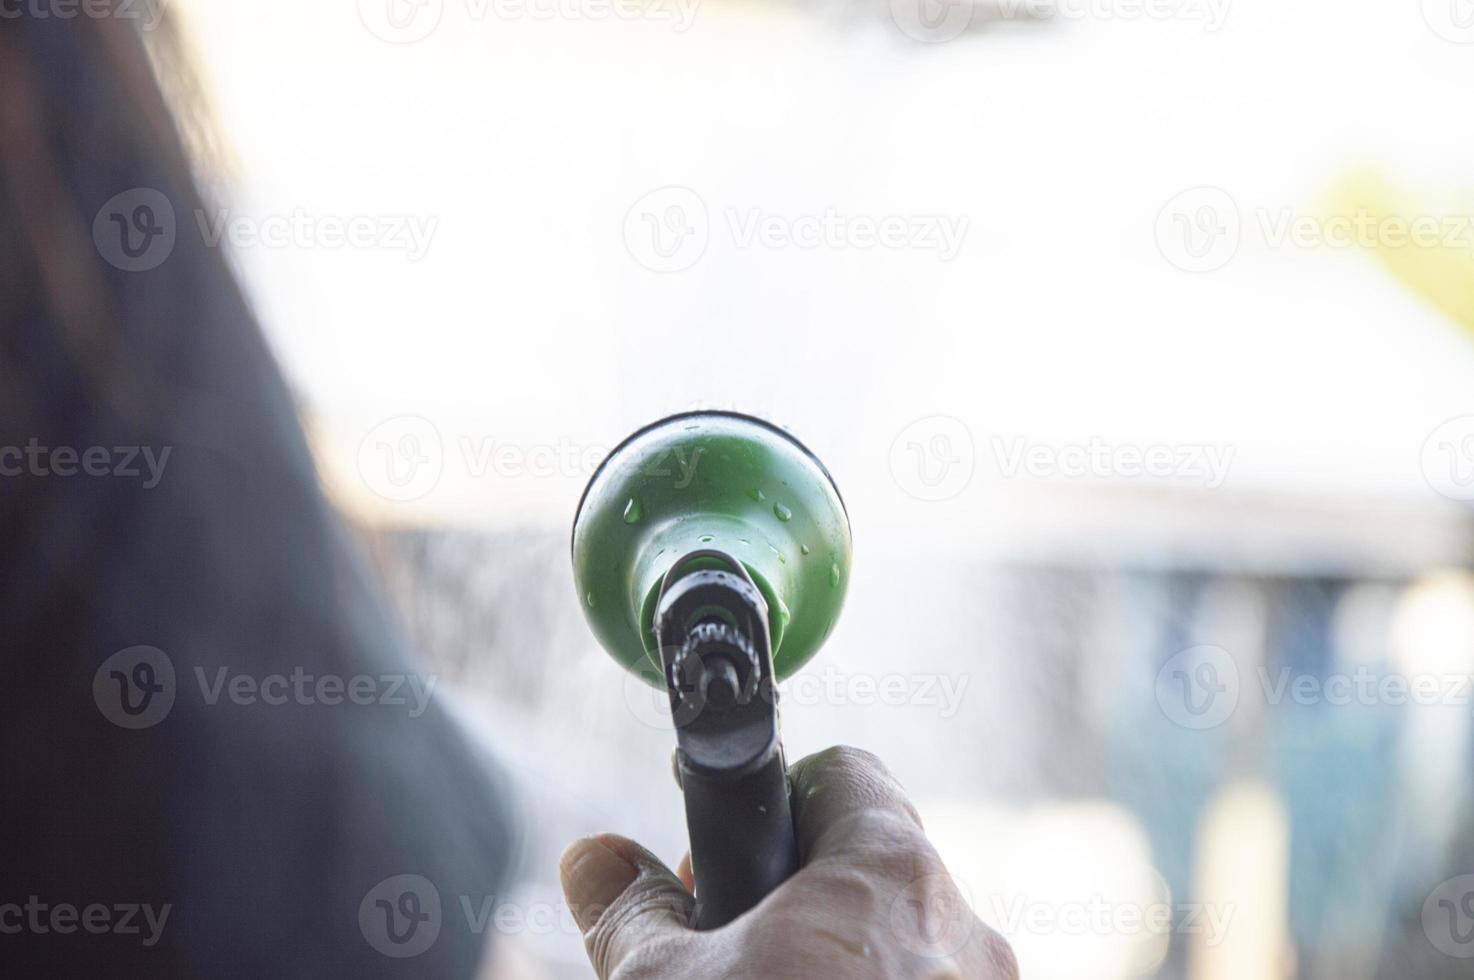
(627, 903)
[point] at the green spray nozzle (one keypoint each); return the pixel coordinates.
(711, 482)
(711, 552)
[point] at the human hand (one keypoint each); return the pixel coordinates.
(870, 901)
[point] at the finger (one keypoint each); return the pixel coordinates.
(843, 791)
(628, 904)
(852, 817)
(683, 872)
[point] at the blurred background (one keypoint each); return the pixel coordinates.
(1136, 333)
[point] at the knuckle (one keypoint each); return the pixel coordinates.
(916, 863)
(857, 776)
(617, 942)
(898, 829)
(850, 758)
(885, 843)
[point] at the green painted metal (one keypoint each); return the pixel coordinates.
(711, 480)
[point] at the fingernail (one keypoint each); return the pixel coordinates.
(593, 877)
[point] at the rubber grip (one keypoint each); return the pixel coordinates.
(742, 839)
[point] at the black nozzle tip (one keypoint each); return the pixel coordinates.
(720, 685)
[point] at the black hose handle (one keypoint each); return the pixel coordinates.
(712, 628)
(742, 843)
